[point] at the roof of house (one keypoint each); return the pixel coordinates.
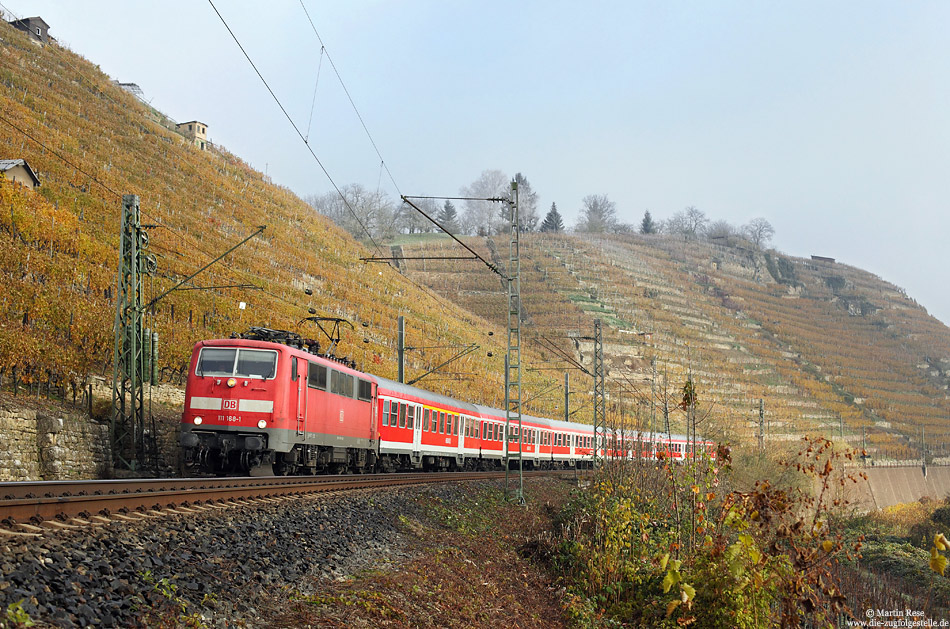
(7, 164)
(27, 20)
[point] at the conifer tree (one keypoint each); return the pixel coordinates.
(448, 217)
(647, 225)
(552, 222)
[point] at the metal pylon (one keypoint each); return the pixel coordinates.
(513, 357)
(133, 442)
(600, 397)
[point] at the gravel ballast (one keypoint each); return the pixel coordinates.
(216, 567)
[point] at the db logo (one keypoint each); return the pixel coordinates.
(230, 405)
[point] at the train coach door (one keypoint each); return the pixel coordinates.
(417, 434)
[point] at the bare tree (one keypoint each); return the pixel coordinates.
(411, 221)
(482, 217)
(361, 212)
(759, 231)
(598, 214)
(721, 230)
(527, 205)
(689, 222)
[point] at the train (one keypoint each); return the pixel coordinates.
(268, 403)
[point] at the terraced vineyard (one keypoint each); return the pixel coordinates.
(830, 348)
(91, 142)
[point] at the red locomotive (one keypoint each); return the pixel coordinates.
(261, 407)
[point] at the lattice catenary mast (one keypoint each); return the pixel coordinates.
(513, 357)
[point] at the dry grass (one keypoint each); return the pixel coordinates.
(471, 567)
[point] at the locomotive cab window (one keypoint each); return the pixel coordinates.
(247, 363)
(317, 376)
(255, 363)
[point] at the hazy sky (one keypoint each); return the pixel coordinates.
(830, 119)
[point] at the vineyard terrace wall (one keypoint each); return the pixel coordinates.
(49, 444)
(57, 443)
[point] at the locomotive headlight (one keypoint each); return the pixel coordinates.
(261, 424)
(198, 421)
(232, 382)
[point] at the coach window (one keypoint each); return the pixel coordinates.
(455, 425)
(425, 420)
(441, 423)
(402, 415)
(411, 416)
(394, 414)
(385, 412)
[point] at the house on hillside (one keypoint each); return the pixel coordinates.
(195, 131)
(35, 26)
(20, 172)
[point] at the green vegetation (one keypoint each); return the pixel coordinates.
(673, 545)
(903, 545)
(16, 617)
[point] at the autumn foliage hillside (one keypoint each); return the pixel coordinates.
(829, 348)
(92, 142)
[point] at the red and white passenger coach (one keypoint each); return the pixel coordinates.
(262, 407)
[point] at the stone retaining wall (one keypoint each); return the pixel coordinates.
(57, 442)
(52, 445)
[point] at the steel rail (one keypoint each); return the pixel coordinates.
(35, 502)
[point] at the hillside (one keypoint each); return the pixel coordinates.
(827, 346)
(91, 142)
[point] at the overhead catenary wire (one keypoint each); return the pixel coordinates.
(313, 103)
(62, 158)
(194, 246)
(347, 92)
(296, 128)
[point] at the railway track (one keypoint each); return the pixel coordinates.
(33, 507)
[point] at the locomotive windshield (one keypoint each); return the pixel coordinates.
(246, 363)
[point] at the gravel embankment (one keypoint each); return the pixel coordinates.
(215, 565)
